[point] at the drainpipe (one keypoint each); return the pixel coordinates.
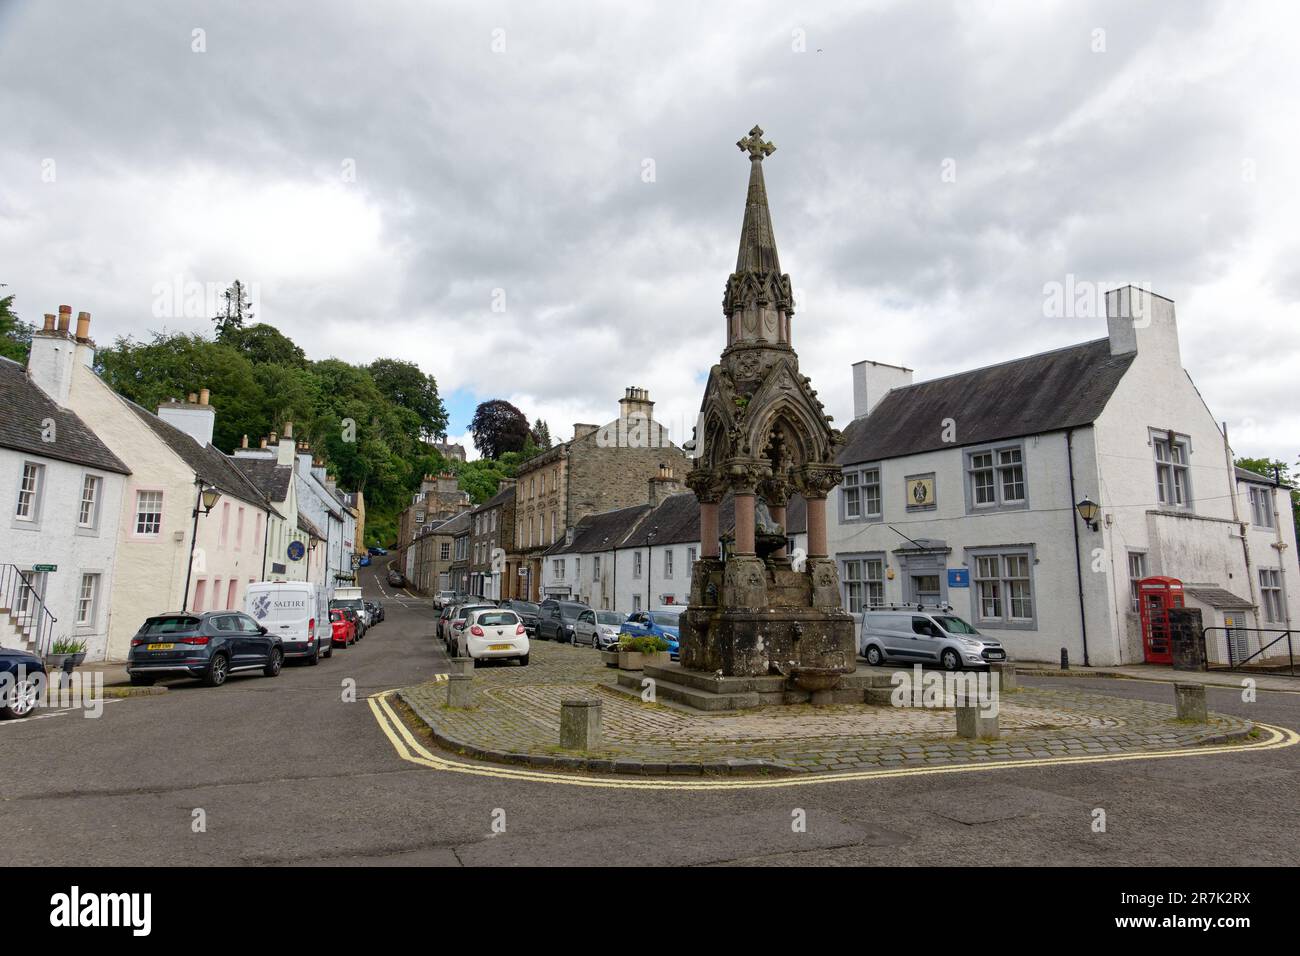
(1078, 557)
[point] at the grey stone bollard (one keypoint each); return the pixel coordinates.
(460, 690)
(1189, 699)
(462, 665)
(1006, 676)
(973, 724)
(580, 724)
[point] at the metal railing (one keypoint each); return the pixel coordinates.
(1276, 655)
(26, 609)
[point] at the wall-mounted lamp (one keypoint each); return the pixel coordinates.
(1088, 510)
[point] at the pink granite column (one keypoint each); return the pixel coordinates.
(778, 515)
(745, 523)
(816, 527)
(708, 529)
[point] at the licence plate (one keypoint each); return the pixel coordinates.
(500, 647)
(160, 647)
(996, 655)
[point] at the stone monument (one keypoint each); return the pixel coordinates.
(762, 437)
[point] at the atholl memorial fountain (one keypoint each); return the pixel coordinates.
(762, 628)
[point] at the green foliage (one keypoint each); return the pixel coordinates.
(235, 310)
(263, 345)
(65, 645)
(645, 644)
(402, 383)
(15, 334)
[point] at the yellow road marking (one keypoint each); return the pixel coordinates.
(412, 751)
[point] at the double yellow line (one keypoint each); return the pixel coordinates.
(412, 751)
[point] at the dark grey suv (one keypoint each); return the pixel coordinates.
(556, 620)
(210, 646)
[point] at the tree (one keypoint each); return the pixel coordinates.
(15, 334)
(235, 310)
(402, 383)
(498, 427)
(541, 434)
(263, 344)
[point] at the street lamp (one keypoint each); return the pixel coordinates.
(204, 502)
(1088, 510)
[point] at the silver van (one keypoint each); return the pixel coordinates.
(926, 636)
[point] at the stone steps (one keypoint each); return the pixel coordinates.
(707, 692)
(694, 697)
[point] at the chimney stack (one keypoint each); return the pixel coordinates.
(284, 451)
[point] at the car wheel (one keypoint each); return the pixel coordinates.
(950, 660)
(573, 639)
(142, 680)
(315, 658)
(874, 657)
(218, 670)
(272, 668)
(22, 700)
(330, 652)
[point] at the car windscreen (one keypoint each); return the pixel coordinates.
(496, 618)
(464, 612)
(666, 618)
(609, 617)
(525, 607)
(571, 611)
(955, 625)
(170, 625)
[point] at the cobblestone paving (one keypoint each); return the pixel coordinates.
(517, 717)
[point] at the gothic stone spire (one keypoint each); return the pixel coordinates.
(757, 300)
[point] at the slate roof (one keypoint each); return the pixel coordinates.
(206, 461)
(269, 478)
(1218, 597)
(501, 497)
(1041, 393)
(25, 408)
(305, 524)
(1245, 474)
(454, 526)
(603, 531)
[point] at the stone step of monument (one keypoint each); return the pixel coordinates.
(666, 691)
(865, 677)
(712, 683)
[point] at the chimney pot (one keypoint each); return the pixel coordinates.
(83, 326)
(263, 445)
(204, 394)
(288, 429)
(192, 398)
(65, 317)
(244, 442)
(273, 436)
(49, 322)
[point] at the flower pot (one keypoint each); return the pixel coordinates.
(629, 660)
(656, 659)
(78, 659)
(610, 658)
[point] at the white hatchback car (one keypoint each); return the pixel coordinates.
(492, 633)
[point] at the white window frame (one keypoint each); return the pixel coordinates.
(88, 508)
(636, 565)
(88, 604)
(1173, 476)
(996, 590)
(31, 492)
(1261, 507)
(1272, 595)
(1135, 597)
(668, 563)
(992, 469)
(138, 512)
(862, 490)
(862, 581)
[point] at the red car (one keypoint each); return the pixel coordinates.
(342, 631)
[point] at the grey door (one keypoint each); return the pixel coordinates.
(925, 589)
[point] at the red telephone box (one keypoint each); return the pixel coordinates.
(1156, 596)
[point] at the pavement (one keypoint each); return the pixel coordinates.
(1167, 675)
(517, 715)
(296, 770)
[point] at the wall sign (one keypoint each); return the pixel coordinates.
(296, 550)
(959, 577)
(920, 492)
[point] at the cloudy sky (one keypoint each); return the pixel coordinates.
(541, 201)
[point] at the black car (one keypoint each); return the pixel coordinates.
(376, 611)
(528, 613)
(556, 619)
(396, 579)
(210, 646)
(20, 688)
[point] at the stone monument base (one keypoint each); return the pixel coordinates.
(713, 693)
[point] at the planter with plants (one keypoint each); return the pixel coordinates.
(65, 654)
(636, 653)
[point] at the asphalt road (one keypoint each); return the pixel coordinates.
(285, 771)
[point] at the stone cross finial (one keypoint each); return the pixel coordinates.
(754, 145)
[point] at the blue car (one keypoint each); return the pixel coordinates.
(22, 678)
(365, 561)
(661, 623)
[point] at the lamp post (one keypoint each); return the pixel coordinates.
(204, 501)
(1088, 510)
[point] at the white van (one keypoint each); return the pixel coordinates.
(295, 612)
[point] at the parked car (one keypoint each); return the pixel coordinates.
(491, 633)
(292, 610)
(527, 611)
(443, 598)
(662, 622)
(456, 623)
(364, 562)
(209, 646)
(353, 604)
(376, 551)
(556, 620)
(598, 628)
(376, 610)
(20, 687)
(925, 636)
(358, 625)
(343, 633)
(439, 626)
(396, 579)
